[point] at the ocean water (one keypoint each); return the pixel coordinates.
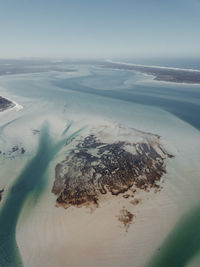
(185, 63)
(62, 105)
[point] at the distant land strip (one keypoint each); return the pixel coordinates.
(160, 73)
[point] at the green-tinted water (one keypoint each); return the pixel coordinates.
(30, 181)
(182, 243)
(183, 102)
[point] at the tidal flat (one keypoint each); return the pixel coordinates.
(120, 109)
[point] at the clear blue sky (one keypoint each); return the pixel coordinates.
(99, 28)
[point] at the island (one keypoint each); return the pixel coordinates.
(5, 104)
(110, 160)
(160, 73)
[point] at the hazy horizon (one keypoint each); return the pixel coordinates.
(99, 29)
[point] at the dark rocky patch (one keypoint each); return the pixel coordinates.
(35, 131)
(95, 168)
(126, 217)
(22, 150)
(135, 201)
(13, 152)
(5, 104)
(126, 196)
(1, 193)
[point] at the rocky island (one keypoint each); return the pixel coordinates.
(5, 104)
(109, 160)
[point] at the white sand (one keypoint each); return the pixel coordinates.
(78, 237)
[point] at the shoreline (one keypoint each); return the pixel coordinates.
(159, 73)
(5, 104)
(150, 66)
(8, 104)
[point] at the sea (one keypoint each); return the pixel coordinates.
(183, 63)
(57, 106)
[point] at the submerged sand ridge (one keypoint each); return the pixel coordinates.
(109, 160)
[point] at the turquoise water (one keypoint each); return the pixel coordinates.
(25, 184)
(182, 244)
(182, 102)
(32, 182)
(103, 92)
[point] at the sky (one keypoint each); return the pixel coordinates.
(99, 28)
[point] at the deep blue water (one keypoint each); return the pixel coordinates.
(181, 101)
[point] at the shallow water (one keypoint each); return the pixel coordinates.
(171, 111)
(182, 244)
(24, 185)
(31, 181)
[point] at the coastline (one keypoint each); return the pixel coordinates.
(7, 104)
(159, 73)
(150, 66)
